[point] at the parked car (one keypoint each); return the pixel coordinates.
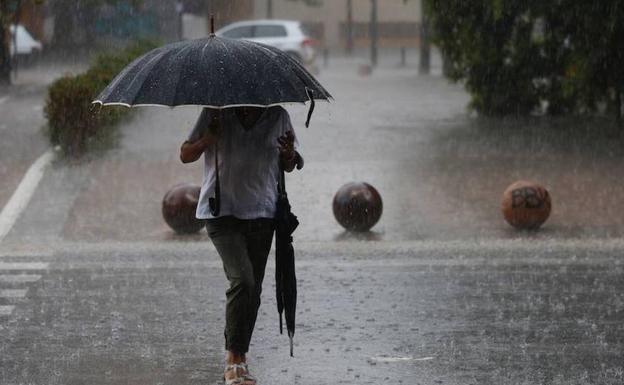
(26, 46)
(287, 35)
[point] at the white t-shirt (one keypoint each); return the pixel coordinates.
(248, 163)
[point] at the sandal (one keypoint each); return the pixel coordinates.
(247, 376)
(245, 379)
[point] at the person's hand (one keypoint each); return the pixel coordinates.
(287, 146)
(211, 134)
(214, 127)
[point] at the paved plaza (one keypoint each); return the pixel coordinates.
(96, 289)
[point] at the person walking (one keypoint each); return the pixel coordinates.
(245, 150)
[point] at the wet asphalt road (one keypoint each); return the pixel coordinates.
(95, 289)
(413, 313)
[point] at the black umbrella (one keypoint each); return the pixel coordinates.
(213, 72)
(285, 279)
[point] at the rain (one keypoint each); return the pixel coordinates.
(416, 259)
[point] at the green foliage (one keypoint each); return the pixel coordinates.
(516, 56)
(74, 123)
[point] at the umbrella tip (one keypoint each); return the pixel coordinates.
(212, 31)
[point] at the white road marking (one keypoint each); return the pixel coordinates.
(6, 310)
(24, 192)
(34, 254)
(23, 266)
(19, 278)
(400, 359)
(4, 99)
(13, 293)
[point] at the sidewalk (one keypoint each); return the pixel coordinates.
(440, 172)
(94, 287)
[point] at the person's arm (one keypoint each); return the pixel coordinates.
(205, 134)
(191, 151)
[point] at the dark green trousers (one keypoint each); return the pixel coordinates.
(244, 246)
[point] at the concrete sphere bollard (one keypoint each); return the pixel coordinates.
(357, 206)
(178, 208)
(526, 205)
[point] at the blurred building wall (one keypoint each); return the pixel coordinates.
(32, 17)
(227, 11)
(194, 26)
(399, 20)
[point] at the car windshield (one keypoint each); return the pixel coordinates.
(270, 31)
(240, 32)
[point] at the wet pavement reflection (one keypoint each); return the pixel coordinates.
(441, 291)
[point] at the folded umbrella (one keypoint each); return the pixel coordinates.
(285, 279)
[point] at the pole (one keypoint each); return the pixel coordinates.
(350, 27)
(403, 57)
(269, 9)
(424, 66)
(325, 57)
(374, 32)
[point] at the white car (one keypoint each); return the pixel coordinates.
(287, 35)
(26, 45)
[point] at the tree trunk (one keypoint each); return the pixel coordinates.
(5, 53)
(618, 107)
(63, 25)
(89, 17)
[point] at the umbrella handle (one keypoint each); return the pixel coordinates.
(215, 203)
(310, 93)
(281, 327)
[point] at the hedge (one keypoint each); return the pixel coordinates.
(534, 56)
(75, 124)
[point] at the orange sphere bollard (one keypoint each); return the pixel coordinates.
(357, 206)
(526, 205)
(178, 208)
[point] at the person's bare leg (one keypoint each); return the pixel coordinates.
(234, 358)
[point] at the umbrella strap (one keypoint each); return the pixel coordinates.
(281, 184)
(215, 203)
(310, 93)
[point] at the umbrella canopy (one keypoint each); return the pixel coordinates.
(285, 279)
(213, 72)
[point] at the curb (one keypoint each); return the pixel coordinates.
(23, 193)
